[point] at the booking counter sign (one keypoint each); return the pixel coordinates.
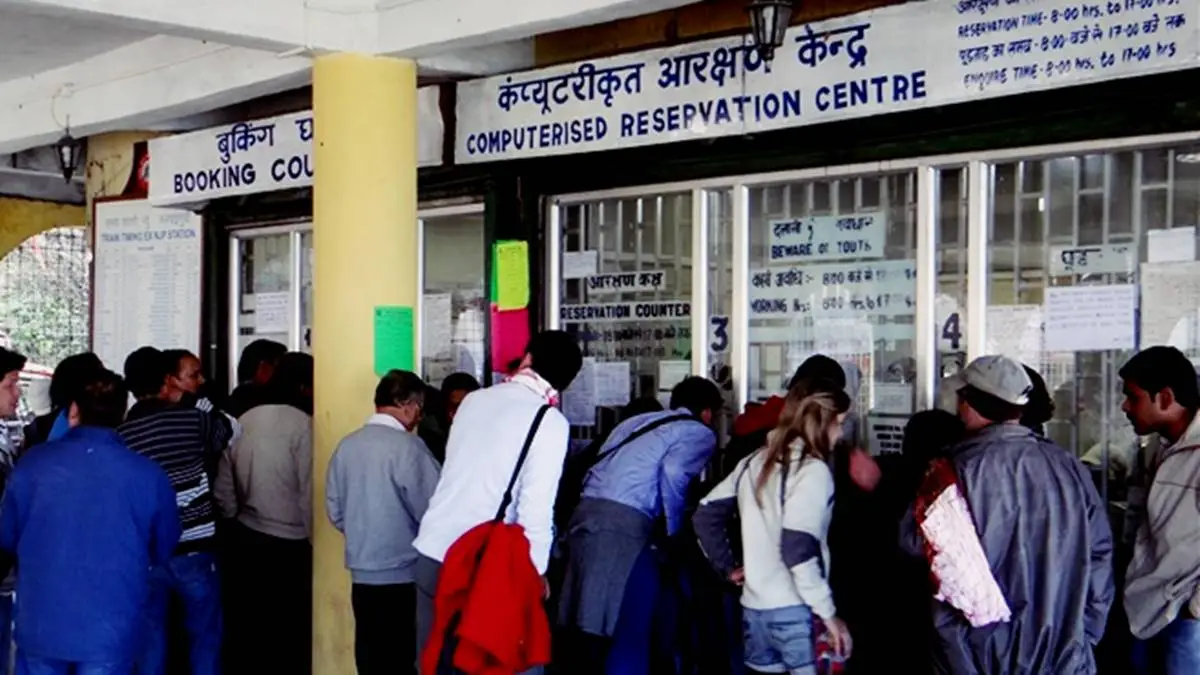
(897, 58)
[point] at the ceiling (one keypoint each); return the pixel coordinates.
(30, 44)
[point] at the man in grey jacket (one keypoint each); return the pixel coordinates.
(378, 487)
(1044, 531)
(1162, 584)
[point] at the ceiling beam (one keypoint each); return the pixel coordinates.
(118, 90)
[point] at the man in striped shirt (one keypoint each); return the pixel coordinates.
(182, 438)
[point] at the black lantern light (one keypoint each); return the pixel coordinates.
(769, 20)
(69, 150)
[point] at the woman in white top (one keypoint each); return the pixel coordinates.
(784, 496)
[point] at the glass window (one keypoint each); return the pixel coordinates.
(720, 299)
(306, 291)
(454, 305)
(1109, 232)
(264, 307)
(834, 273)
(627, 297)
(950, 230)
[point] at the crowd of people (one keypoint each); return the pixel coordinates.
(149, 528)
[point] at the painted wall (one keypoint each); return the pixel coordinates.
(688, 23)
(20, 219)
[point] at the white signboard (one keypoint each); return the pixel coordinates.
(883, 288)
(1091, 318)
(650, 280)
(861, 235)
(903, 57)
(146, 288)
(1097, 259)
(260, 156)
(667, 310)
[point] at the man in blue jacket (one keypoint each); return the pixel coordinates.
(86, 519)
(634, 500)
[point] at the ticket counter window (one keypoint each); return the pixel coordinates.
(950, 262)
(265, 283)
(1092, 258)
(453, 306)
(627, 295)
(833, 271)
(719, 224)
(274, 290)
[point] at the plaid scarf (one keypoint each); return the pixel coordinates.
(526, 377)
(957, 562)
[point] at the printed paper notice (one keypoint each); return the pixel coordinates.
(579, 400)
(580, 264)
(436, 334)
(893, 398)
(393, 339)
(612, 383)
(272, 313)
(671, 373)
(885, 435)
(1016, 331)
(1090, 318)
(512, 275)
(1177, 244)
(1171, 305)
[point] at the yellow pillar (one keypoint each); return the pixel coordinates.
(364, 255)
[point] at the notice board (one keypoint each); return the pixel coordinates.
(146, 279)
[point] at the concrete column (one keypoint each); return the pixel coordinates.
(364, 255)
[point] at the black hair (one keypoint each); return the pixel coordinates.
(11, 362)
(459, 382)
(173, 359)
(696, 394)
(1040, 408)
(928, 434)
(819, 367)
(69, 375)
(816, 385)
(989, 407)
(399, 387)
(146, 371)
(101, 399)
(257, 353)
(1157, 368)
(555, 355)
(292, 382)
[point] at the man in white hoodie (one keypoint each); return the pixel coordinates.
(1162, 585)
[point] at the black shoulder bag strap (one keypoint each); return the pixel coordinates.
(512, 482)
(639, 432)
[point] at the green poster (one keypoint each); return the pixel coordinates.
(394, 337)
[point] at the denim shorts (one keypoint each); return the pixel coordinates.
(780, 640)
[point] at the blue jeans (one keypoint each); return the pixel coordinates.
(34, 665)
(1174, 651)
(780, 640)
(193, 580)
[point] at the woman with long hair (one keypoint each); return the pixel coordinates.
(784, 496)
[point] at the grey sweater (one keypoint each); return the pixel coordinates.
(378, 487)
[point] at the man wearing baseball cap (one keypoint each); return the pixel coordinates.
(1044, 531)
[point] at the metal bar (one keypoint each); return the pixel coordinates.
(700, 277)
(235, 308)
(554, 280)
(739, 328)
(979, 191)
(294, 328)
(926, 287)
